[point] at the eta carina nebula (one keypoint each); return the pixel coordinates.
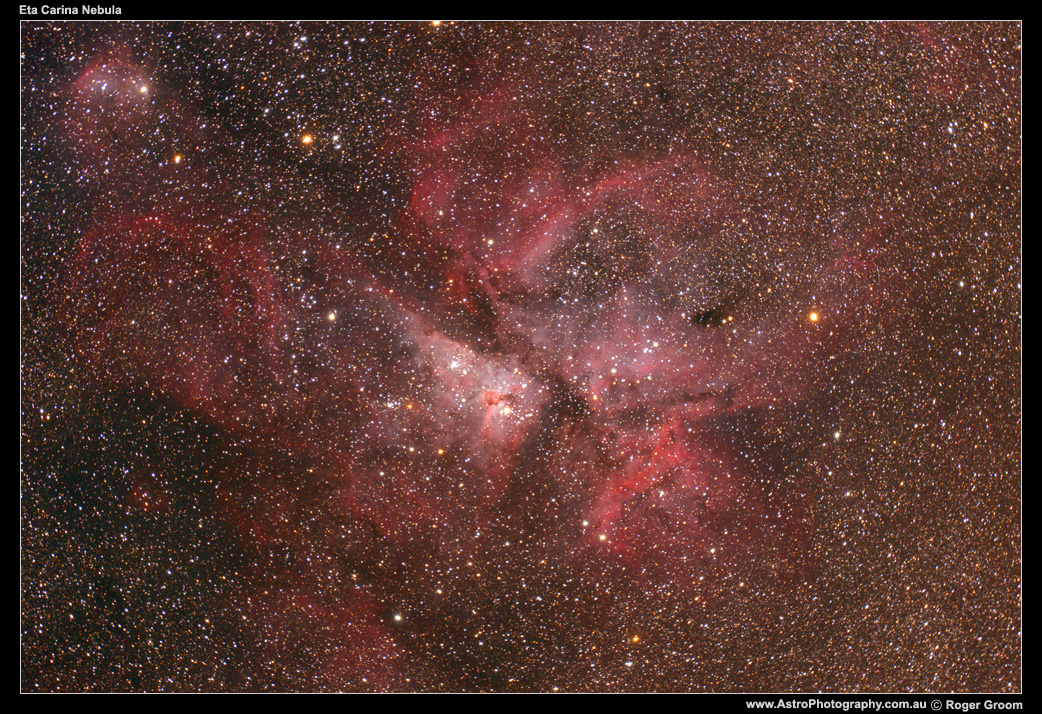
(485, 357)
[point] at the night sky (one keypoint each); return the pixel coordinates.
(520, 357)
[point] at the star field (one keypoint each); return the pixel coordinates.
(591, 357)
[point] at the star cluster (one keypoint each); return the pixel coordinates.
(520, 356)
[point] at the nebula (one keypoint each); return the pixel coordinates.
(546, 378)
(556, 345)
